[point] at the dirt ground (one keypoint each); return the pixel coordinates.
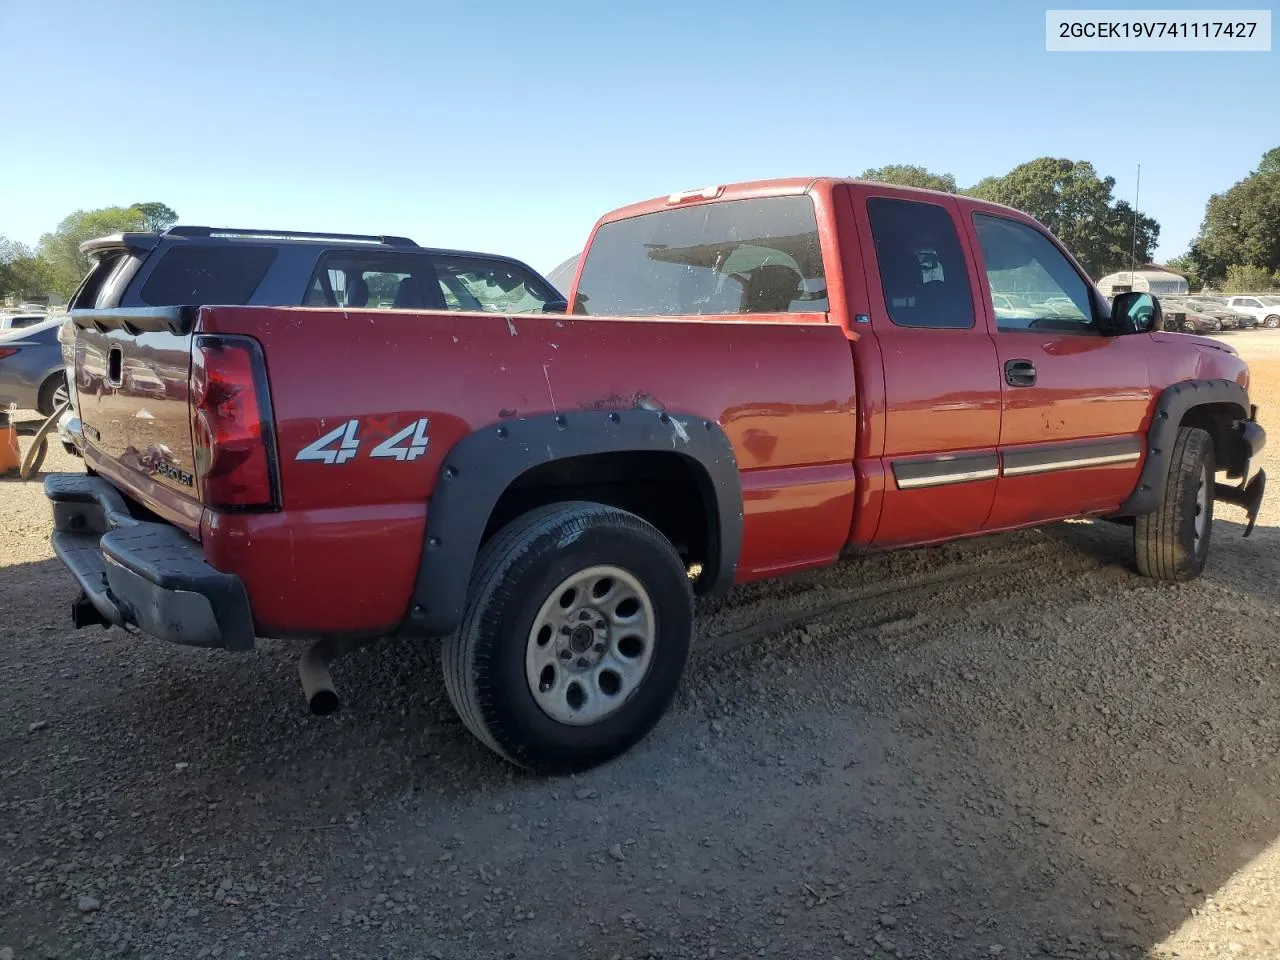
(1008, 747)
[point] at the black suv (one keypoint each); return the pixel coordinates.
(204, 266)
(208, 266)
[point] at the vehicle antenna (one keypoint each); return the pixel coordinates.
(1133, 248)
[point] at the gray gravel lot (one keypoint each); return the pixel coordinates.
(1007, 747)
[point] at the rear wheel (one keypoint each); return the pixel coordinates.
(574, 638)
(1172, 544)
(53, 393)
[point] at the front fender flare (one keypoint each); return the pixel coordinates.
(1174, 403)
(482, 465)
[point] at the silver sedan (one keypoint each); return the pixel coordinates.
(31, 371)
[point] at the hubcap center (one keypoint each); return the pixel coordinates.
(582, 638)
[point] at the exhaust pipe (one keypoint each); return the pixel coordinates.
(317, 684)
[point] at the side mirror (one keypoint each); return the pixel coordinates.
(555, 306)
(1134, 312)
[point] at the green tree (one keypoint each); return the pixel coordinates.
(156, 217)
(1186, 266)
(23, 275)
(61, 248)
(1249, 279)
(907, 175)
(1270, 161)
(1077, 205)
(1241, 227)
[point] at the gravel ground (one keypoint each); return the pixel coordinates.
(1007, 747)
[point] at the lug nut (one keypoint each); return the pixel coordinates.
(582, 661)
(566, 655)
(599, 648)
(566, 630)
(584, 615)
(601, 624)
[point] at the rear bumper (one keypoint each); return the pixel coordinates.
(150, 576)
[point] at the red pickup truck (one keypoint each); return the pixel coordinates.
(749, 380)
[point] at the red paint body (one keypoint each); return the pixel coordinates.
(818, 407)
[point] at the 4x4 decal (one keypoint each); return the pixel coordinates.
(343, 443)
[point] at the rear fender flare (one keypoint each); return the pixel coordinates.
(1174, 403)
(482, 465)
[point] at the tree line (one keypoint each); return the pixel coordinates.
(1236, 250)
(57, 266)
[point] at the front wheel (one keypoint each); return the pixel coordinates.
(1272, 321)
(574, 638)
(1172, 544)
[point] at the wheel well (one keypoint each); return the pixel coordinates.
(669, 490)
(1217, 419)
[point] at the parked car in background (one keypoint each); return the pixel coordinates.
(562, 276)
(31, 368)
(196, 265)
(1010, 306)
(16, 321)
(1265, 309)
(1191, 318)
(1231, 319)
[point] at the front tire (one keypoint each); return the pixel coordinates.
(1272, 321)
(574, 638)
(1172, 544)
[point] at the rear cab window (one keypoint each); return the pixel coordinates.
(200, 274)
(724, 258)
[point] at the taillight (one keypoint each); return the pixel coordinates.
(231, 426)
(7, 352)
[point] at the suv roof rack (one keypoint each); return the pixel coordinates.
(232, 232)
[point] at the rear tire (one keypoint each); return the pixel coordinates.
(53, 392)
(1172, 544)
(512, 668)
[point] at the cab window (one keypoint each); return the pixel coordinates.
(374, 282)
(923, 277)
(1033, 286)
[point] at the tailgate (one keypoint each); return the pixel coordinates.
(131, 374)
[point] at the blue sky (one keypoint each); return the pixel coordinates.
(510, 127)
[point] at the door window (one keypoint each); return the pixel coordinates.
(490, 286)
(922, 268)
(1033, 286)
(374, 282)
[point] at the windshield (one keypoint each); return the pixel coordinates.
(1270, 301)
(737, 256)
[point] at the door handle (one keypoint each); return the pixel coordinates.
(1019, 373)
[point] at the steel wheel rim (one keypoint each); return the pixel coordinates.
(1201, 517)
(591, 645)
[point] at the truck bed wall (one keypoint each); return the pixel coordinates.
(782, 391)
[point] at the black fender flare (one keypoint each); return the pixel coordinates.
(1174, 403)
(479, 468)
